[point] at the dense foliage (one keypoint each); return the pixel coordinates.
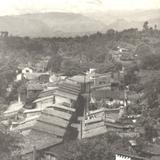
(11, 144)
(98, 148)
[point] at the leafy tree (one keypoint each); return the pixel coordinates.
(152, 90)
(150, 130)
(151, 112)
(151, 62)
(155, 27)
(145, 26)
(100, 58)
(130, 78)
(10, 145)
(54, 63)
(70, 67)
(111, 33)
(143, 50)
(99, 148)
(105, 67)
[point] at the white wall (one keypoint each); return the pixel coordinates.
(59, 99)
(19, 77)
(45, 103)
(27, 70)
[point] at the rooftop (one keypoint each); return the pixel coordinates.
(13, 109)
(34, 139)
(70, 91)
(80, 79)
(32, 76)
(46, 93)
(153, 149)
(108, 94)
(34, 86)
(63, 150)
(51, 124)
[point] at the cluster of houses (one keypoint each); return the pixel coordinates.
(123, 54)
(55, 108)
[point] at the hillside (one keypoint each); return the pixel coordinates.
(120, 20)
(61, 24)
(49, 24)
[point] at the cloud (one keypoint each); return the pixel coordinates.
(95, 2)
(25, 6)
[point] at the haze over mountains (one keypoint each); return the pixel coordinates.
(73, 24)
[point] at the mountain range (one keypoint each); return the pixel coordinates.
(55, 24)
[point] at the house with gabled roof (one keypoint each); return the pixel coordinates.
(44, 99)
(83, 81)
(57, 113)
(51, 118)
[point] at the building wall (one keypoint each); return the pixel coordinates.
(19, 77)
(45, 103)
(33, 114)
(27, 157)
(59, 99)
(27, 70)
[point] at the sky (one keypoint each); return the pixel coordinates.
(10, 7)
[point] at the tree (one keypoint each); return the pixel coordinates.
(54, 63)
(145, 26)
(150, 130)
(70, 67)
(155, 27)
(98, 148)
(10, 145)
(143, 50)
(111, 33)
(130, 78)
(151, 62)
(151, 112)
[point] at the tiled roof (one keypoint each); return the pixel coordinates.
(44, 130)
(70, 91)
(70, 86)
(43, 99)
(40, 140)
(46, 93)
(52, 84)
(32, 76)
(80, 79)
(66, 95)
(35, 86)
(107, 94)
(66, 90)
